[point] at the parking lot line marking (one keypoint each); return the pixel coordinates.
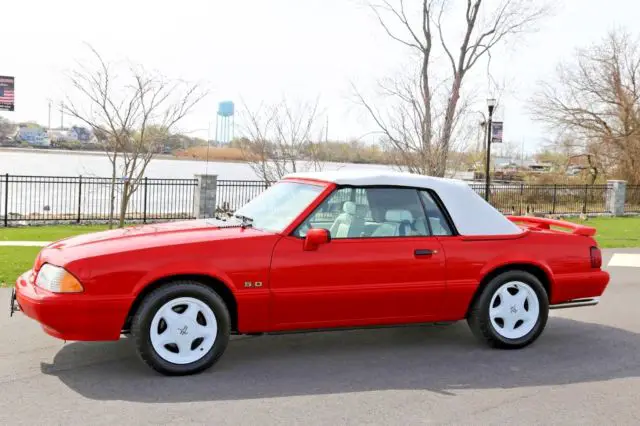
(625, 259)
(24, 243)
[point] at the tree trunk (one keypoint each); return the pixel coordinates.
(443, 151)
(112, 205)
(125, 202)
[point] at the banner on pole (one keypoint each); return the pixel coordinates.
(7, 96)
(496, 132)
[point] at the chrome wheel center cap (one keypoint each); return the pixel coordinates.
(514, 310)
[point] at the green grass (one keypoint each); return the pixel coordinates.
(46, 233)
(615, 232)
(14, 261)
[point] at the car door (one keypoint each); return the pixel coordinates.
(382, 267)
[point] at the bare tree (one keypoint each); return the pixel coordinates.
(426, 107)
(595, 98)
(130, 116)
(279, 139)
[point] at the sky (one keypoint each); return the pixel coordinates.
(255, 51)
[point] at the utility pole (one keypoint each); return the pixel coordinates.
(326, 131)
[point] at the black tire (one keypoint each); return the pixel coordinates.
(480, 322)
(141, 325)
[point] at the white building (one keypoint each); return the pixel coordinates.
(35, 136)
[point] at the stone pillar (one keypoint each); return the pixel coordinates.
(204, 203)
(617, 196)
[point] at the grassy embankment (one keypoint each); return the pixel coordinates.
(612, 233)
(212, 154)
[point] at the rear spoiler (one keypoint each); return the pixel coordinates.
(544, 223)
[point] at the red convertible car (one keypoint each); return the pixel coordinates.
(315, 251)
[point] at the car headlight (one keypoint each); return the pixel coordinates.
(57, 280)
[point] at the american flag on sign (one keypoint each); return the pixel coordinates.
(7, 96)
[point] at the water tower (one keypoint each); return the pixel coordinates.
(225, 122)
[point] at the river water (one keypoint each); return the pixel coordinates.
(37, 199)
(65, 163)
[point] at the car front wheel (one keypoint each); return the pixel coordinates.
(181, 328)
(511, 311)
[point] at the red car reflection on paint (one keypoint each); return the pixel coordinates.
(315, 251)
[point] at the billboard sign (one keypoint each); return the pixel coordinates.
(7, 96)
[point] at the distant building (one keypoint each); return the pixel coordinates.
(82, 134)
(63, 135)
(74, 134)
(33, 135)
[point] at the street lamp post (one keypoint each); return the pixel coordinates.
(491, 103)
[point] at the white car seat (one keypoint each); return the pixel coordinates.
(350, 223)
(397, 222)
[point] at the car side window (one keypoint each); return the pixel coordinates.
(337, 212)
(437, 220)
(361, 212)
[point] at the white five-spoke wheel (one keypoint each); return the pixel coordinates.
(514, 310)
(510, 311)
(181, 328)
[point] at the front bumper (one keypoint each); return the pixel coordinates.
(72, 316)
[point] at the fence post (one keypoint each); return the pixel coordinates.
(204, 202)
(521, 197)
(584, 204)
(144, 208)
(79, 199)
(617, 194)
(553, 208)
(6, 200)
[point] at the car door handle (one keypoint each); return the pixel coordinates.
(424, 252)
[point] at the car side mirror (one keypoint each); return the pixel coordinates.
(316, 237)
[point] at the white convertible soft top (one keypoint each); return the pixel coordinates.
(471, 214)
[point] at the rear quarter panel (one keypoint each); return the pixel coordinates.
(564, 258)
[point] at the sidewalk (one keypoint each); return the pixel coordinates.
(24, 243)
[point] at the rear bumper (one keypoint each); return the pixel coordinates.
(582, 289)
(72, 316)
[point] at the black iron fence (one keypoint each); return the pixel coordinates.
(48, 199)
(233, 194)
(89, 199)
(521, 198)
(632, 202)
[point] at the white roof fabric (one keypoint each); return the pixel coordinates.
(471, 214)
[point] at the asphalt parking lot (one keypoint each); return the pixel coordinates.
(585, 369)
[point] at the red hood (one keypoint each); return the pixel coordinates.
(161, 230)
(143, 237)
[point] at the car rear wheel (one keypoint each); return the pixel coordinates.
(181, 328)
(511, 311)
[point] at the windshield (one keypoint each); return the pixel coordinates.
(274, 209)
